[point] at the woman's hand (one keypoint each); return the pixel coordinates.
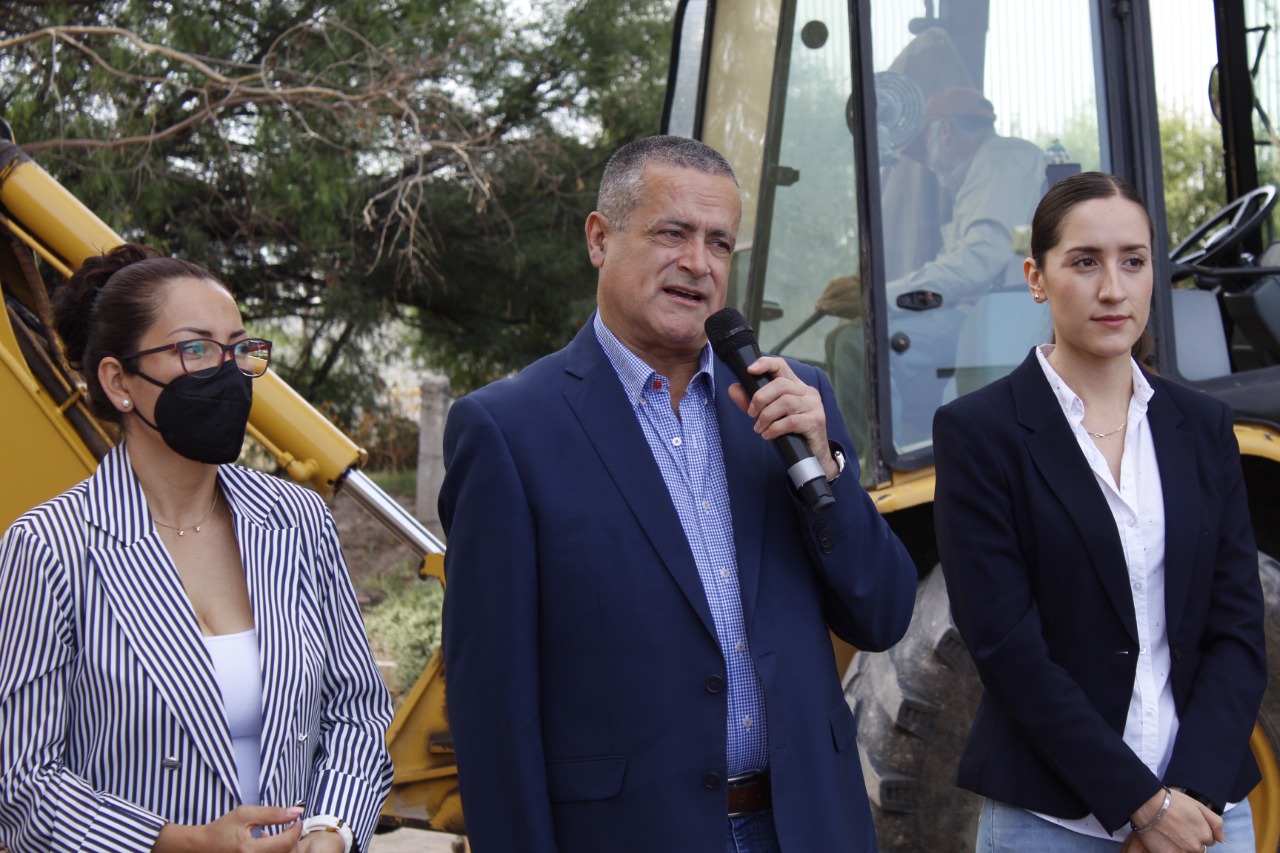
(1187, 826)
(233, 833)
(1133, 844)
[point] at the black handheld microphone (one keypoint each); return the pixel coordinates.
(735, 344)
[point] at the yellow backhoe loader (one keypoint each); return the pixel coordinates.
(814, 101)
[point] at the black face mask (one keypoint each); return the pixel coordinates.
(204, 419)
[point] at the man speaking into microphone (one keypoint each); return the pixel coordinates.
(635, 622)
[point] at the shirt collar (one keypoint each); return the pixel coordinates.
(634, 373)
(1072, 405)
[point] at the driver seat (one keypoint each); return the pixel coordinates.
(1255, 311)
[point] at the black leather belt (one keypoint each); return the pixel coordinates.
(749, 794)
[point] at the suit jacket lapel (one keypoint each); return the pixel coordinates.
(597, 399)
(268, 552)
(1058, 457)
(153, 611)
(1175, 452)
(747, 469)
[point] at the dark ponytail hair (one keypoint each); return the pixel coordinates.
(108, 304)
(1061, 199)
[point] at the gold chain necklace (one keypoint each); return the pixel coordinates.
(1108, 432)
(182, 531)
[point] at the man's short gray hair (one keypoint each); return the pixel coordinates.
(622, 185)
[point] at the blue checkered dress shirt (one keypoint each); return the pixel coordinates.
(687, 450)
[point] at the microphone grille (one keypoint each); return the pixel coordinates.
(728, 331)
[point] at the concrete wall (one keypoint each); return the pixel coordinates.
(436, 398)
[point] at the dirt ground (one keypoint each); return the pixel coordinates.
(413, 841)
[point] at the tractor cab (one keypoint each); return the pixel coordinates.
(891, 155)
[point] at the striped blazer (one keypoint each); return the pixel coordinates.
(111, 720)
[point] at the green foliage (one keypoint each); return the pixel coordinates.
(1195, 185)
(405, 626)
(342, 164)
(620, 69)
(399, 482)
(1194, 172)
(1194, 168)
(391, 440)
(488, 288)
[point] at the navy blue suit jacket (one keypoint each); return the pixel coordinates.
(586, 693)
(1040, 593)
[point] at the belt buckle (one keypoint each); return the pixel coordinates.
(743, 780)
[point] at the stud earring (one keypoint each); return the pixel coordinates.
(125, 402)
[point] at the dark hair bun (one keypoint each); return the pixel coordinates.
(74, 300)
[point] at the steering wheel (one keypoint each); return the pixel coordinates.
(1224, 230)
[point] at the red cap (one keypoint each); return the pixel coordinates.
(944, 103)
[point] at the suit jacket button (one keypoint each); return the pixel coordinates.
(714, 684)
(711, 781)
(171, 763)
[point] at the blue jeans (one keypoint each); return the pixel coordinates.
(753, 833)
(1009, 829)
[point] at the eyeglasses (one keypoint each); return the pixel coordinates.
(201, 357)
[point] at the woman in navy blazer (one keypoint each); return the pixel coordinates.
(1094, 531)
(184, 663)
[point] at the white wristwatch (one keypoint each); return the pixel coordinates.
(329, 823)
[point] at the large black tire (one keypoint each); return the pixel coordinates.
(1269, 574)
(1269, 715)
(914, 705)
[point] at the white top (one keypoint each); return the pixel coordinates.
(239, 674)
(994, 193)
(1137, 505)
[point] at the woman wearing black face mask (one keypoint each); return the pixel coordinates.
(191, 670)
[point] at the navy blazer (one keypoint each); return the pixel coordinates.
(111, 719)
(586, 692)
(1040, 593)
